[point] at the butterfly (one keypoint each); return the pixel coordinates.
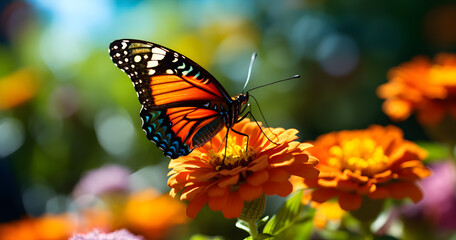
(183, 105)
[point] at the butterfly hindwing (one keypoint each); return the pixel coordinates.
(177, 131)
(157, 126)
(182, 103)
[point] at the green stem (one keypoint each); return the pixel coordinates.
(452, 148)
(366, 231)
(253, 229)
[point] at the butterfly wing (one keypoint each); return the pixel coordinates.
(179, 97)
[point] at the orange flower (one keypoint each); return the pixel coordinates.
(427, 88)
(327, 212)
(153, 215)
(226, 182)
(17, 88)
(376, 162)
(48, 227)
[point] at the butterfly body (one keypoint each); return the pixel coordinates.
(183, 105)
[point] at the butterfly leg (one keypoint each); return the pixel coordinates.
(251, 115)
(225, 139)
(245, 135)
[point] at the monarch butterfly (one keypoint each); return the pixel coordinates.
(183, 105)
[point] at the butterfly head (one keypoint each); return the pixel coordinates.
(242, 98)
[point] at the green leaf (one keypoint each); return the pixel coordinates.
(203, 237)
(262, 236)
(243, 225)
(304, 230)
(436, 151)
(286, 215)
(262, 221)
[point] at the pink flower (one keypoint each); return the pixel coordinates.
(96, 235)
(106, 179)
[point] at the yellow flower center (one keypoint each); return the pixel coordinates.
(232, 156)
(360, 155)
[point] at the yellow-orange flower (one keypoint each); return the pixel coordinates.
(207, 176)
(48, 227)
(376, 162)
(327, 212)
(153, 215)
(421, 86)
(17, 88)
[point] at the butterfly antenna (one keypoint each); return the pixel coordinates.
(267, 124)
(283, 80)
(252, 59)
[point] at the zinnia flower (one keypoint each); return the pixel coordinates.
(421, 86)
(245, 173)
(154, 215)
(376, 162)
(96, 235)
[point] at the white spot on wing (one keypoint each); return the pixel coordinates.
(124, 45)
(169, 71)
(157, 57)
(151, 72)
(151, 64)
(158, 51)
(137, 58)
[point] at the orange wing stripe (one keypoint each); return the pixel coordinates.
(171, 88)
(186, 121)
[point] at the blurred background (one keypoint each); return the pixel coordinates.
(65, 108)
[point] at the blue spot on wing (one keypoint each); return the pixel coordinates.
(156, 124)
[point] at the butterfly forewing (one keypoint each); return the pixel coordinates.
(182, 102)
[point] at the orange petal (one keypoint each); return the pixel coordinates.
(379, 193)
(261, 162)
(216, 191)
(234, 206)
(365, 188)
(304, 171)
(405, 189)
(347, 185)
(281, 160)
(196, 205)
(323, 194)
(349, 201)
(383, 176)
(218, 203)
(227, 181)
(249, 192)
(258, 178)
(282, 189)
(278, 175)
